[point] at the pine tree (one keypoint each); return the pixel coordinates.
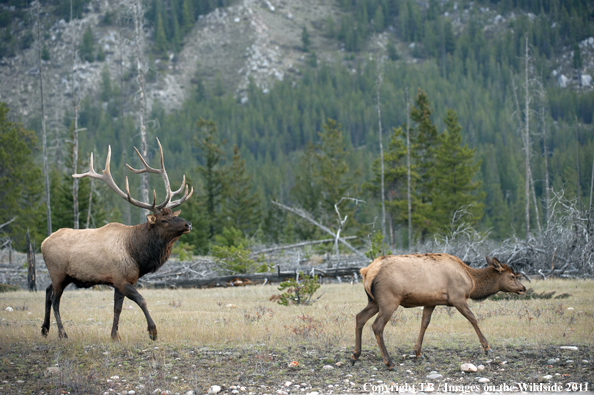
(241, 209)
(87, 48)
(212, 171)
(424, 140)
(160, 47)
(331, 171)
(21, 185)
(305, 40)
(452, 186)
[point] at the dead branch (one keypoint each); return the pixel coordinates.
(307, 217)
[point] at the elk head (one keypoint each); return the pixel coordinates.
(508, 279)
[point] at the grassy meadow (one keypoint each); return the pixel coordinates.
(244, 315)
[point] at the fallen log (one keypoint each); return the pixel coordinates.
(251, 279)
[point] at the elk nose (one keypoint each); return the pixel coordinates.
(188, 226)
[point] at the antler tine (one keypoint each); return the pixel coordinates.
(178, 202)
(105, 176)
(181, 188)
(162, 172)
(138, 203)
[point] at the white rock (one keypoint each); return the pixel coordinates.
(190, 392)
(434, 376)
(214, 389)
(327, 367)
(9, 308)
(551, 361)
(313, 393)
(585, 361)
(468, 367)
(547, 377)
(481, 367)
(288, 383)
(570, 348)
(586, 80)
(131, 392)
(562, 80)
(484, 380)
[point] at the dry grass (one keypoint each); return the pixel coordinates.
(242, 316)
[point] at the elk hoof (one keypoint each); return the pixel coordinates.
(153, 334)
(44, 331)
(115, 337)
(488, 351)
(63, 335)
(353, 360)
(391, 366)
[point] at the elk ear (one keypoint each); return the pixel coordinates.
(176, 213)
(151, 219)
(496, 264)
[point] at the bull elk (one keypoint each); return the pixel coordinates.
(116, 255)
(427, 280)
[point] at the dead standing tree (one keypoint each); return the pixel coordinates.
(301, 213)
(48, 209)
(139, 41)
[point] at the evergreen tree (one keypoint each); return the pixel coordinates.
(305, 40)
(424, 141)
(331, 172)
(160, 48)
(241, 209)
(21, 185)
(87, 46)
(212, 172)
(306, 192)
(452, 186)
(187, 16)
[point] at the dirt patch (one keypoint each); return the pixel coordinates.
(157, 368)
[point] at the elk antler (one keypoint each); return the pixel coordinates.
(108, 179)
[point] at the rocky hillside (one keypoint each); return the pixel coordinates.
(257, 40)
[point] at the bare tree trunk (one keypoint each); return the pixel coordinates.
(591, 185)
(527, 143)
(381, 146)
(32, 269)
(408, 186)
(43, 131)
(577, 164)
(138, 23)
(123, 126)
(543, 101)
(535, 203)
(75, 136)
(90, 202)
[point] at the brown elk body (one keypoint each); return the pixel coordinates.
(116, 255)
(427, 280)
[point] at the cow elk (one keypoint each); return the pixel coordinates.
(427, 280)
(116, 255)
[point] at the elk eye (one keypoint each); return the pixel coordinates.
(163, 221)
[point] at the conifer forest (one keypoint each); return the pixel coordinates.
(412, 125)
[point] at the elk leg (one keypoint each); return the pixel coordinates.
(49, 291)
(131, 293)
(56, 305)
(465, 311)
(362, 318)
(427, 311)
(118, 301)
(378, 329)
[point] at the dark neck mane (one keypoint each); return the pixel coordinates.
(148, 249)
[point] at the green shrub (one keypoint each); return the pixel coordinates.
(299, 292)
(236, 260)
